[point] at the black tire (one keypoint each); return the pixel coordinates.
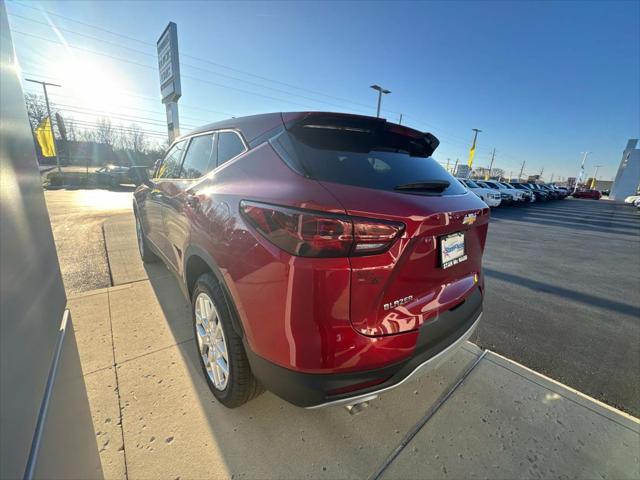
(241, 386)
(146, 254)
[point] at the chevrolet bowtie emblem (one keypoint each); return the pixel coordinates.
(469, 219)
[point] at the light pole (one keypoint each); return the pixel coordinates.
(380, 91)
(472, 151)
(46, 99)
(579, 180)
(595, 176)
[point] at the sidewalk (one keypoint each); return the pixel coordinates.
(155, 417)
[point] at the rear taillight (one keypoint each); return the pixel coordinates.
(307, 233)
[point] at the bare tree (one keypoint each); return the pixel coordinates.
(87, 135)
(497, 172)
(36, 109)
(105, 132)
(72, 132)
(136, 139)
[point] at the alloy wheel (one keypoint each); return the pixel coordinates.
(212, 343)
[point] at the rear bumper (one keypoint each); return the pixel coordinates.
(437, 340)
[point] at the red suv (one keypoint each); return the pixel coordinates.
(327, 256)
(593, 194)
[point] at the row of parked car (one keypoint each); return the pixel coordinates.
(495, 193)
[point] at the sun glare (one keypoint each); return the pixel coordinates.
(94, 84)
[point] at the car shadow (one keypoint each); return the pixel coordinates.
(616, 220)
(270, 438)
(565, 293)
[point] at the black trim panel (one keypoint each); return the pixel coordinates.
(307, 390)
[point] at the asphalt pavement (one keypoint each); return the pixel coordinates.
(563, 295)
(76, 220)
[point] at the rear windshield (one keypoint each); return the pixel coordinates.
(364, 157)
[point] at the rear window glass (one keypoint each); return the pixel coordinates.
(366, 158)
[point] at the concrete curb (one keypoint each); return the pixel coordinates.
(622, 418)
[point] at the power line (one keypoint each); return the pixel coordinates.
(182, 64)
(116, 117)
(90, 111)
(223, 66)
(451, 138)
(93, 52)
(139, 95)
(54, 14)
(186, 55)
(95, 126)
(104, 113)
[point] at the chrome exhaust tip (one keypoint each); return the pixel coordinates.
(358, 407)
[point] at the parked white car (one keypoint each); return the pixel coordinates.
(515, 194)
(632, 199)
(528, 196)
(488, 195)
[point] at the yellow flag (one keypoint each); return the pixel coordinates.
(45, 138)
(472, 153)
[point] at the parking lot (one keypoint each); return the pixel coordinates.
(563, 283)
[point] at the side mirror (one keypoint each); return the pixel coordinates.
(140, 175)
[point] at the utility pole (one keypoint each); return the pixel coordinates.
(46, 99)
(521, 170)
(595, 175)
(448, 160)
(380, 91)
(551, 181)
(493, 155)
(511, 175)
(455, 166)
(400, 121)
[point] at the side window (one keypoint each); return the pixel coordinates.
(199, 158)
(170, 167)
(229, 146)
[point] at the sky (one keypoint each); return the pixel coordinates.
(544, 81)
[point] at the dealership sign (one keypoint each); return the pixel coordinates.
(169, 64)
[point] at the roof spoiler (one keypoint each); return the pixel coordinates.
(425, 141)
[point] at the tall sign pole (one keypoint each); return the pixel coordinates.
(169, 67)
